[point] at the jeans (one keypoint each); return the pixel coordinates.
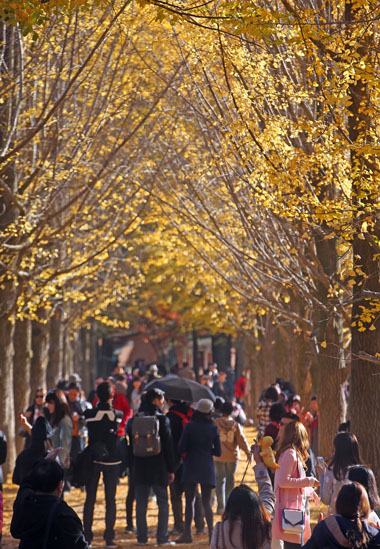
(190, 490)
(110, 479)
(176, 491)
(225, 472)
(142, 493)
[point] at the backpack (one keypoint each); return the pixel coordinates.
(146, 436)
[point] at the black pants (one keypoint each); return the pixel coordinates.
(176, 491)
(130, 499)
(290, 545)
(190, 490)
(110, 479)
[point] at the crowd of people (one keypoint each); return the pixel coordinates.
(170, 448)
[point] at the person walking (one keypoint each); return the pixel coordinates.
(346, 453)
(179, 415)
(153, 463)
(102, 423)
(198, 444)
(291, 485)
(231, 438)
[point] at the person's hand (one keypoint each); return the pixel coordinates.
(66, 464)
(321, 517)
(314, 482)
(255, 449)
(171, 477)
(22, 419)
(52, 455)
(319, 469)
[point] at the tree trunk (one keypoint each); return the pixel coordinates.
(195, 354)
(54, 367)
(365, 366)
(21, 368)
(7, 329)
(328, 367)
(221, 351)
(40, 348)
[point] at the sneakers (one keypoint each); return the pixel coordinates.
(166, 543)
(130, 530)
(200, 531)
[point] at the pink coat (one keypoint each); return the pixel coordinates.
(290, 484)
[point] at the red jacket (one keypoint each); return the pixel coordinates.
(240, 388)
(120, 402)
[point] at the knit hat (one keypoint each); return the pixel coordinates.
(205, 406)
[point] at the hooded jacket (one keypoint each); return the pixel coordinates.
(231, 439)
(30, 521)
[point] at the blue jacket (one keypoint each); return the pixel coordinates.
(199, 441)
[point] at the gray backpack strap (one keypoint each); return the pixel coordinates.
(334, 529)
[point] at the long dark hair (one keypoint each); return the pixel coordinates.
(61, 409)
(346, 453)
(244, 504)
(364, 475)
(352, 503)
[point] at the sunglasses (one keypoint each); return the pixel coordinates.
(40, 396)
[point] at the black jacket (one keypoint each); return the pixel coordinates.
(154, 469)
(323, 537)
(30, 519)
(176, 425)
(102, 423)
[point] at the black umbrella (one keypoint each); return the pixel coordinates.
(179, 388)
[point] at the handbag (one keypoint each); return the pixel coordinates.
(293, 520)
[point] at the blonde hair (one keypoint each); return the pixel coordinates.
(296, 438)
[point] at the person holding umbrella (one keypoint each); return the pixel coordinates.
(199, 443)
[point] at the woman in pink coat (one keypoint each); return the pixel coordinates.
(292, 487)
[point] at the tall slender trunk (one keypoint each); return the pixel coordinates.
(6, 389)
(221, 351)
(10, 71)
(195, 354)
(365, 367)
(40, 348)
(328, 371)
(54, 366)
(22, 367)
